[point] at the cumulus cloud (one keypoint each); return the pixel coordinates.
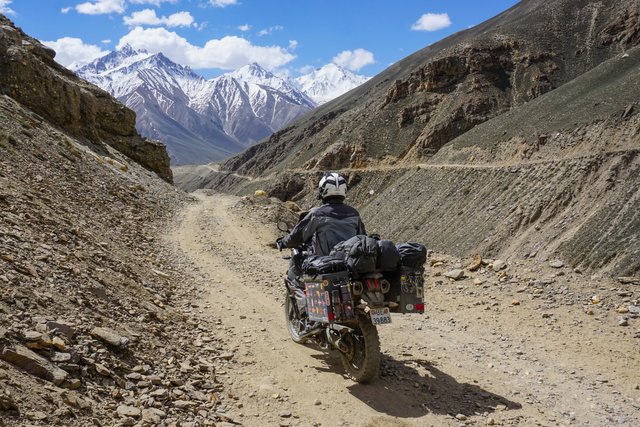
(101, 7)
(222, 3)
(227, 53)
(432, 22)
(270, 30)
(353, 59)
(73, 52)
(4, 7)
(149, 17)
(155, 3)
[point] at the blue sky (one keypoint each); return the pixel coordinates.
(216, 36)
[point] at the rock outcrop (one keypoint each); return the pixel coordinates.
(411, 110)
(29, 75)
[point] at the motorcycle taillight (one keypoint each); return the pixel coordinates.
(420, 307)
(373, 284)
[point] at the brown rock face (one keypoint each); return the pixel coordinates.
(29, 75)
(407, 113)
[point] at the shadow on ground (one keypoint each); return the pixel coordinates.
(413, 388)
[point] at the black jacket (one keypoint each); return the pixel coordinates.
(326, 225)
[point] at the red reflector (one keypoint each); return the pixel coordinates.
(331, 317)
(420, 307)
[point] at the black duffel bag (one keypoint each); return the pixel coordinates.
(359, 253)
(388, 256)
(412, 254)
(319, 264)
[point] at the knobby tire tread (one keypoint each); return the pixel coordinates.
(369, 369)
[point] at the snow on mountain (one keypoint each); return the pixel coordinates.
(199, 120)
(329, 82)
(254, 73)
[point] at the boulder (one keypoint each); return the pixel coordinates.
(109, 336)
(34, 364)
(455, 274)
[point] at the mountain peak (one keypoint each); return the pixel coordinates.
(128, 50)
(251, 72)
(328, 82)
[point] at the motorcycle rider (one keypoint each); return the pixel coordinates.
(324, 226)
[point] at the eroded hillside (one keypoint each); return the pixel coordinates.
(96, 325)
(29, 75)
(516, 138)
(412, 109)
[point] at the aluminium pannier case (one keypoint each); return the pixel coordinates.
(407, 290)
(329, 297)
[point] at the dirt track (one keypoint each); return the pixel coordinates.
(522, 351)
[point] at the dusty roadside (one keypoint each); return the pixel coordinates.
(530, 344)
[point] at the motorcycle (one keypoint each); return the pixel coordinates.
(336, 310)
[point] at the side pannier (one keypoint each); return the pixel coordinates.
(412, 254)
(360, 253)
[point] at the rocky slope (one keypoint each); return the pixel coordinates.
(409, 111)
(96, 321)
(494, 141)
(29, 75)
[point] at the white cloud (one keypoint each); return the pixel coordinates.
(245, 27)
(149, 17)
(270, 30)
(73, 52)
(293, 44)
(4, 7)
(101, 7)
(228, 53)
(156, 3)
(353, 59)
(105, 41)
(432, 22)
(222, 3)
(66, 9)
(307, 69)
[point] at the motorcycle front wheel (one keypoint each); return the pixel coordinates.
(294, 324)
(361, 361)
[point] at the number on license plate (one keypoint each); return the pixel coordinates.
(380, 316)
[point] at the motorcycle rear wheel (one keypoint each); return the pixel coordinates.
(295, 326)
(362, 360)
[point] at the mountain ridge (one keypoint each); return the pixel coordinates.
(200, 120)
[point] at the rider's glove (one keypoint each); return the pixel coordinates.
(279, 243)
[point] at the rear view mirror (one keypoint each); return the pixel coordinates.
(282, 226)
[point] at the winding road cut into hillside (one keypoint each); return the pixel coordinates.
(529, 345)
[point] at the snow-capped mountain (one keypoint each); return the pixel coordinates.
(200, 120)
(329, 82)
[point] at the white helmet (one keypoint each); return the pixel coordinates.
(332, 185)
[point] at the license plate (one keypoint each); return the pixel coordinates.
(380, 316)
